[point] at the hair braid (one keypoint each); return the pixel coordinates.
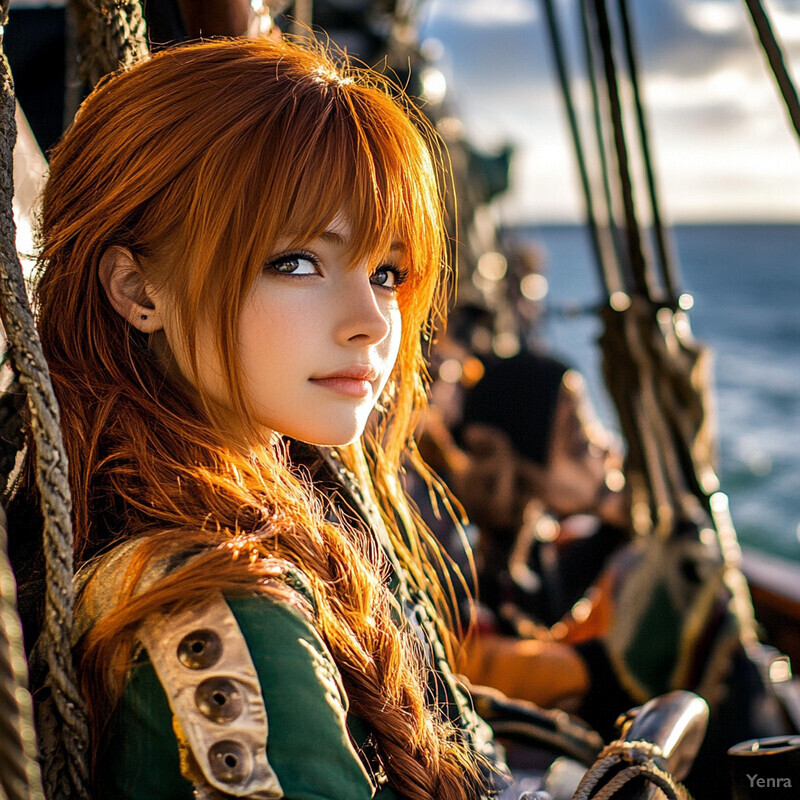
(422, 752)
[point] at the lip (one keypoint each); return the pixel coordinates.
(353, 381)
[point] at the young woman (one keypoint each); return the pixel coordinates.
(242, 251)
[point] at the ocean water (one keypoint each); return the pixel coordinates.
(745, 280)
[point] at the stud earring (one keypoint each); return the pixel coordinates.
(144, 316)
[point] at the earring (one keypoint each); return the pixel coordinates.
(144, 316)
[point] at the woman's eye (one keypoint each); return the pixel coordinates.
(294, 264)
(388, 276)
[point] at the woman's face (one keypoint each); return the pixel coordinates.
(582, 470)
(318, 339)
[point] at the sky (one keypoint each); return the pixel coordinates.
(723, 146)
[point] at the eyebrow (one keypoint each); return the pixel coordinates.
(333, 237)
(336, 238)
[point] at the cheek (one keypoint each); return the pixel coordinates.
(389, 348)
(575, 482)
(395, 337)
(564, 481)
(266, 339)
(272, 318)
(177, 355)
(392, 345)
(210, 379)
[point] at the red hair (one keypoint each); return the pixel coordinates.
(198, 160)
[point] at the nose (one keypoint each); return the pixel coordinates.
(365, 318)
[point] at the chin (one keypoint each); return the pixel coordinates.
(330, 438)
(324, 430)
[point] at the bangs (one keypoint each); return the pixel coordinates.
(353, 153)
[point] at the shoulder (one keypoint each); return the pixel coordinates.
(135, 568)
(219, 718)
(245, 681)
(224, 694)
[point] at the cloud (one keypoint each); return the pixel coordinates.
(715, 115)
(684, 37)
(478, 13)
(489, 46)
(714, 17)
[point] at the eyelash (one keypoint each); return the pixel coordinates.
(400, 276)
(400, 273)
(294, 256)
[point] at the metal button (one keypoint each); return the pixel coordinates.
(219, 699)
(200, 649)
(230, 761)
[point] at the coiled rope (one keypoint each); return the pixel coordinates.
(627, 762)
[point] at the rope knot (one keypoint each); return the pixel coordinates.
(621, 762)
(637, 752)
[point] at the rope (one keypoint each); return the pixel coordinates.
(602, 256)
(651, 383)
(635, 253)
(19, 772)
(640, 758)
(774, 54)
(26, 355)
(112, 35)
(602, 148)
(669, 267)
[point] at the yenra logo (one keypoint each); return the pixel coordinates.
(769, 783)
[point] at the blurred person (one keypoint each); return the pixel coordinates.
(543, 483)
(529, 444)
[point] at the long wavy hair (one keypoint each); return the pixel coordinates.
(198, 161)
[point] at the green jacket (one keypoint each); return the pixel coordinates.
(316, 749)
(313, 744)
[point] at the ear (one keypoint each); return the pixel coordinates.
(130, 294)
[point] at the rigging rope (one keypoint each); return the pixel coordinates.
(669, 267)
(774, 54)
(111, 34)
(636, 257)
(602, 148)
(649, 359)
(638, 364)
(26, 355)
(657, 374)
(603, 257)
(641, 760)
